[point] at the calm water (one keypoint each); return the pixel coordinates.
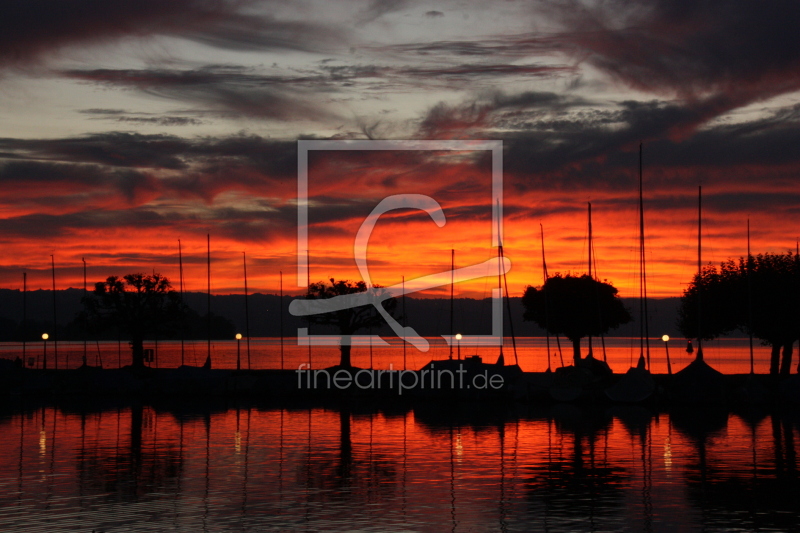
(730, 356)
(145, 468)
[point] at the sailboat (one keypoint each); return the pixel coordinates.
(471, 367)
(538, 384)
(753, 391)
(184, 371)
(207, 364)
(698, 383)
(637, 384)
(574, 382)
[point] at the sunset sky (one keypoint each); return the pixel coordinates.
(125, 126)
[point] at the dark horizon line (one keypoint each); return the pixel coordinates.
(249, 294)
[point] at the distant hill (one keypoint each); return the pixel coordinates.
(428, 316)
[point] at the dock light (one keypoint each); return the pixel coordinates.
(45, 336)
(458, 340)
(238, 351)
(665, 338)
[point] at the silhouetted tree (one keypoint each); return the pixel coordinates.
(774, 289)
(722, 293)
(348, 321)
(577, 306)
(137, 304)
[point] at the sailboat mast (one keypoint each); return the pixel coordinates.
(84, 325)
(508, 309)
(180, 292)
(405, 322)
(280, 311)
(750, 300)
(500, 282)
(644, 329)
(593, 274)
(55, 317)
(308, 284)
(590, 240)
(452, 294)
(505, 282)
(699, 356)
(208, 295)
(246, 309)
(589, 272)
(546, 276)
(24, 314)
(546, 310)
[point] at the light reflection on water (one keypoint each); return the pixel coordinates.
(430, 468)
(728, 355)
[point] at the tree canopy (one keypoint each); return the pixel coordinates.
(575, 306)
(759, 296)
(720, 294)
(348, 321)
(137, 304)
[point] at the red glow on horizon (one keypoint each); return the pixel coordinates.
(405, 243)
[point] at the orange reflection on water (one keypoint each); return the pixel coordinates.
(433, 466)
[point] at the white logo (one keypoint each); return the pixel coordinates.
(373, 296)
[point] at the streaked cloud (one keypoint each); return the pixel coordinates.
(151, 121)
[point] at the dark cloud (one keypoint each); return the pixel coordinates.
(563, 145)
(228, 89)
(444, 120)
(98, 111)
(465, 72)
(769, 141)
(253, 33)
(535, 99)
(60, 184)
(243, 224)
(351, 72)
(561, 142)
(495, 110)
(746, 50)
(239, 91)
(113, 149)
(120, 115)
(325, 210)
(716, 55)
(506, 47)
(162, 152)
(595, 157)
(40, 224)
(162, 121)
(379, 8)
(82, 172)
(32, 29)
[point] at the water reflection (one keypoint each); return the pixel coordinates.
(762, 495)
(127, 470)
(577, 487)
(250, 467)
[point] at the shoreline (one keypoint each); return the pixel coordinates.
(330, 384)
